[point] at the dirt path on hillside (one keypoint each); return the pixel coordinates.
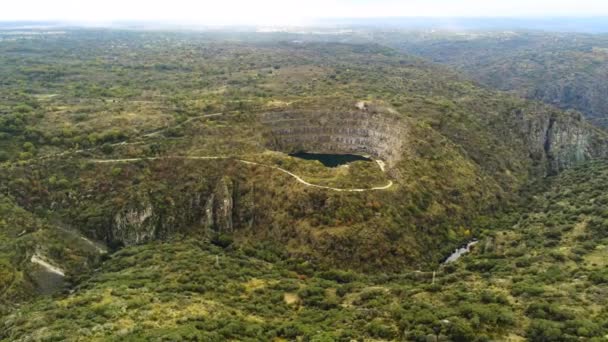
(291, 174)
(120, 143)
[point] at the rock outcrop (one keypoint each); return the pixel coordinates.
(133, 226)
(564, 140)
(203, 214)
(219, 208)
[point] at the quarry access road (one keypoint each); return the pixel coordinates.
(291, 174)
(120, 143)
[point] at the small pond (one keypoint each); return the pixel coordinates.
(330, 160)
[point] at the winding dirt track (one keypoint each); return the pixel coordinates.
(154, 132)
(120, 143)
(296, 177)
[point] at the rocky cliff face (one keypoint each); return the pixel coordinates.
(218, 212)
(564, 140)
(132, 226)
(362, 130)
(204, 214)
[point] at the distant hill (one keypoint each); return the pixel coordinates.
(563, 69)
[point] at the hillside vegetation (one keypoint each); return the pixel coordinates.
(538, 272)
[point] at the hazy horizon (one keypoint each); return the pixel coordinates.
(276, 12)
(594, 25)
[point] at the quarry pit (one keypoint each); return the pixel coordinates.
(374, 135)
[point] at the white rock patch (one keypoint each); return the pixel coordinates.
(36, 259)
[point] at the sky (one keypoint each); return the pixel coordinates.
(284, 12)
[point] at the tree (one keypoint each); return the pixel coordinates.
(29, 147)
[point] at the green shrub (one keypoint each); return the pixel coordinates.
(460, 331)
(339, 276)
(599, 276)
(527, 289)
(379, 329)
(116, 171)
(222, 240)
(481, 265)
(544, 331)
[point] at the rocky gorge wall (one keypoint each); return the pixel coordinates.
(564, 140)
(202, 213)
(556, 140)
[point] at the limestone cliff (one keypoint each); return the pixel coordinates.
(563, 140)
(133, 226)
(555, 140)
(219, 208)
(203, 214)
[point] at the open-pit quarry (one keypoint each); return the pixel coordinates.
(379, 135)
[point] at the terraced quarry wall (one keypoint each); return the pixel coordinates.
(380, 135)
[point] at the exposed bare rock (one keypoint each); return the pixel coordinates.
(219, 208)
(361, 105)
(207, 221)
(199, 213)
(564, 140)
(133, 226)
